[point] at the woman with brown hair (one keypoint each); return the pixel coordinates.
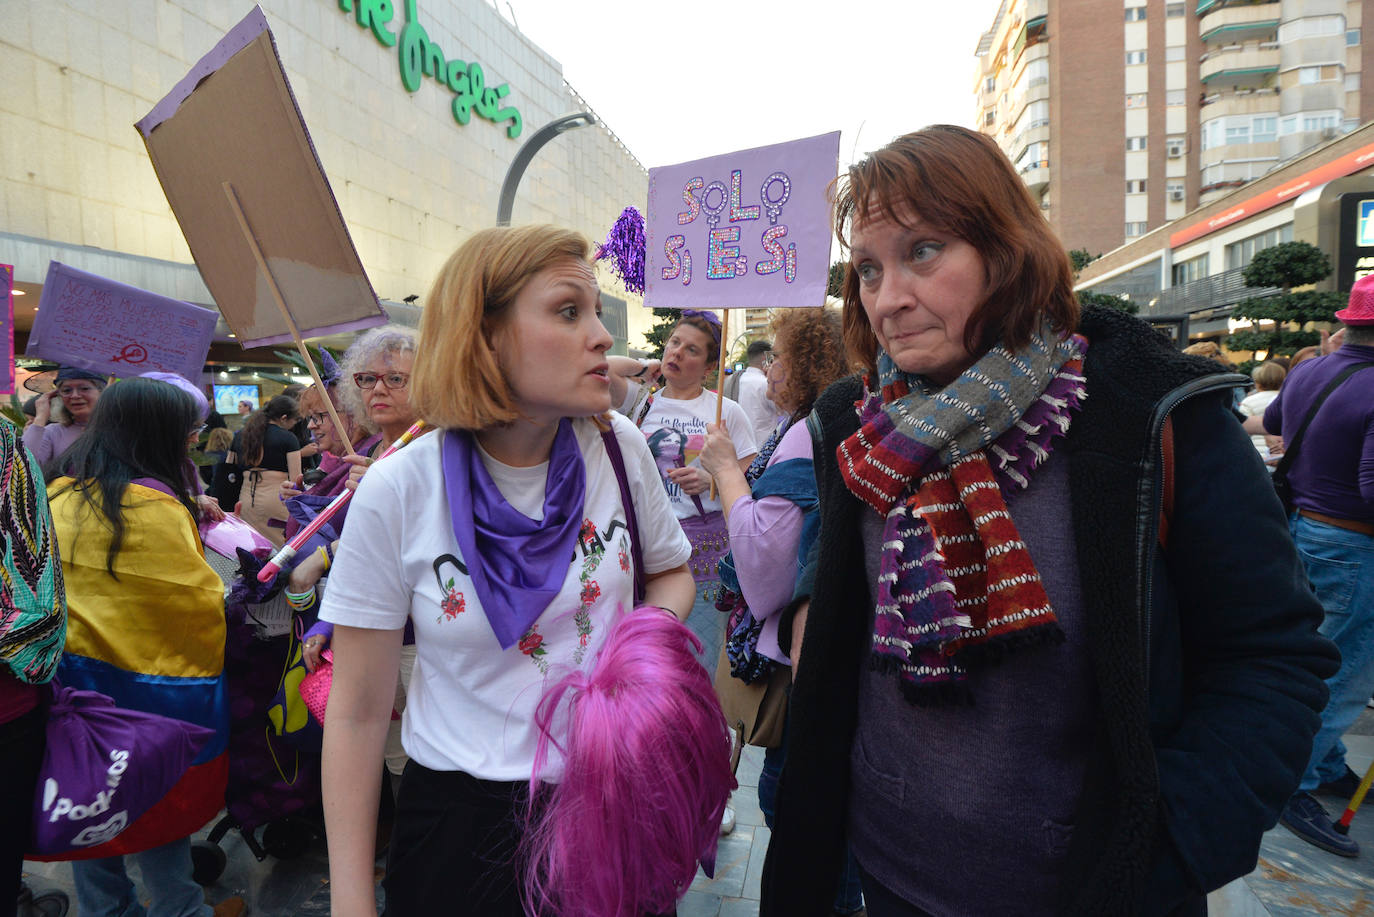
(1019, 686)
(264, 455)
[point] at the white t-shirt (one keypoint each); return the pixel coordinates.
(471, 704)
(676, 430)
(753, 397)
(1255, 403)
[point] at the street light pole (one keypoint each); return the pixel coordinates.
(506, 203)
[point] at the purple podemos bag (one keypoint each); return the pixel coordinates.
(104, 767)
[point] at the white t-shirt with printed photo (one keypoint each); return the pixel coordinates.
(675, 429)
(471, 704)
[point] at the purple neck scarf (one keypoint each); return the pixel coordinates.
(517, 565)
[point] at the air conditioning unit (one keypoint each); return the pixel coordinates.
(1174, 149)
(1176, 194)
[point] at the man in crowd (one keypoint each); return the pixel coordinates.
(753, 392)
(1332, 479)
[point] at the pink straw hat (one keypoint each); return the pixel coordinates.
(1361, 308)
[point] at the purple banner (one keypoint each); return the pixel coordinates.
(744, 230)
(7, 333)
(110, 327)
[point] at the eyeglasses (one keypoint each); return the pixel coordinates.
(318, 420)
(198, 430)
(393, 381)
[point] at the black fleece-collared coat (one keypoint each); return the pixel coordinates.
(1205, 653)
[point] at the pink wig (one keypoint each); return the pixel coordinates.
(645, 779)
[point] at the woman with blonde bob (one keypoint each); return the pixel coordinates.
(504, 540)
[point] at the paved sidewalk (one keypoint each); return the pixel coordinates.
(1293, 878)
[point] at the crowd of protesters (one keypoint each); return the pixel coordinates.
(987, 558)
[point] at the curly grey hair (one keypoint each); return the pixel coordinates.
(384, 343)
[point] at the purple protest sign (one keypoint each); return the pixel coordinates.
(746, 229)
(7, 333)
(110, 327)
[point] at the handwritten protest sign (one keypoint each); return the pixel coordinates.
(7, 333)
(234, 119)
(110, 327)
(746, 229)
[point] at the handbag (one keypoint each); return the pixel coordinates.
(103, 768)
(289, 715)
(314, 687)
(756, 711)
(1282, 486)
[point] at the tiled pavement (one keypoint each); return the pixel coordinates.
(1293, 878)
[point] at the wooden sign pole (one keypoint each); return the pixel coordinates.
(720, 376)
(286, 314)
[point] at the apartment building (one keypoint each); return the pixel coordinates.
(1122, 122)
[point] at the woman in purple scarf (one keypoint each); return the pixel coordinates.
(504, 539)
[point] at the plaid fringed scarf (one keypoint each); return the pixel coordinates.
(956, 583)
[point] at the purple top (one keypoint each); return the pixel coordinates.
(1333, 472)
(47, 443)
(764, 538)
(996, 783)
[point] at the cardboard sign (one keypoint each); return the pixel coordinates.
(747, 229)
(7, 333)
(234, 119)
(110, 327)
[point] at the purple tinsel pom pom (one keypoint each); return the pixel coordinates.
(625, 245)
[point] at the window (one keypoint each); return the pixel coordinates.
(1176, 97)
(1352, 38)
(1176, 53)
(1175, 10)
(1135, 229)
(1192, 269)
(989, 116)
(1239, 254)
(1352, 82)
(1134, 143)
(1133, 14)
(1311, 27)
(1036, 114)
(1135, 186)
(1237, 131)
(1038, 72)
(1264, 129)
(1320, 122)
(1135, 57)
(990, 84)
(1136, 100)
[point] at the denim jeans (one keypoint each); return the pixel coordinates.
(103, 888)
(849, 896)
(1340, 567)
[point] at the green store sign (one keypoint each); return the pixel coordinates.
(419, 57)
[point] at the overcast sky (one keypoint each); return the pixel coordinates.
(679, 81)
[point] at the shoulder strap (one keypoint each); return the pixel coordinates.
(1291, 449)
(1166, 511)
(631, 522)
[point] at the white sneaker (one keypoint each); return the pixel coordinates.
(727, 822)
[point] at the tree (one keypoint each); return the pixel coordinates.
(1110, 300)
(1286, 265)
(835, 285)
(1081, 259)
(665, 320)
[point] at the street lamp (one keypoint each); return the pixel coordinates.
(526, 152)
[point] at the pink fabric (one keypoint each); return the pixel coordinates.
(764, 537)
(16, 697)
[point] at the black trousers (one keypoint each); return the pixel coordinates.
(453, 846)
(22, 742)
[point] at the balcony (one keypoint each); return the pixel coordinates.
(1250, 65)
(1036, 175)
(1235, 22)
(1211, 8)
(1244, 100)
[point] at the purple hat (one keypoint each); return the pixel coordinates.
(1361, 308)
(202, 403)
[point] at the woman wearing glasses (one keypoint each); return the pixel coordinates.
(375, 390)
(60, 415)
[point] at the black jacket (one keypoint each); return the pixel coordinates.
(1208, 664)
